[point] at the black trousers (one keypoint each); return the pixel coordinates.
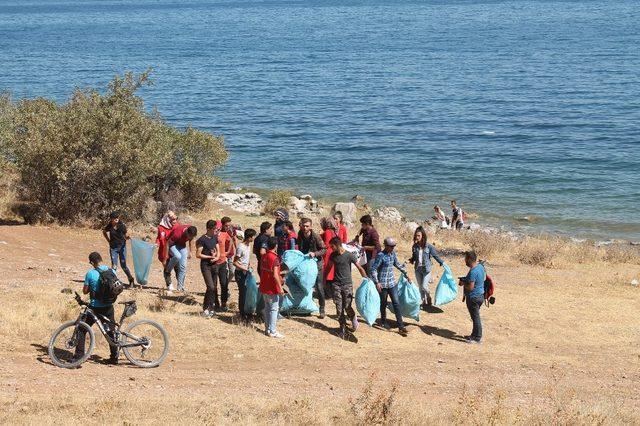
(473, 306)
(107, 312)
(320, 287)
(343, 298)
(212, 273)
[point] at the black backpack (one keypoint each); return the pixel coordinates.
(109, 287)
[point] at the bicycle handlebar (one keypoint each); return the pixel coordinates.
(79, 300)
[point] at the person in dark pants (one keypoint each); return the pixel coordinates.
(370, 241)
(207, 252)
(473, 285)
(116, 235)
(242, 262)
(340, 262)
(221, 269)
(382, 276)
(310, 243)
(91, 287)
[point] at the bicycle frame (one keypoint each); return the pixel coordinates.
(100, 320)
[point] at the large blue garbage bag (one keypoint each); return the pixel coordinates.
(447, 290)
(409, 298)
(300, 281)
(142, 253)
(368, 301)
(253, 301)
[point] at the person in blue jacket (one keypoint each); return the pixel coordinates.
(421, 254)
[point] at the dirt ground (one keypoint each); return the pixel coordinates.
(561, 346)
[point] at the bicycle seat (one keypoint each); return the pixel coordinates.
(129, 302)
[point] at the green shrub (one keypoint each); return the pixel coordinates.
(100, 152)
(278, 198)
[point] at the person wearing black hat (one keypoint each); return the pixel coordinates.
(382, 276)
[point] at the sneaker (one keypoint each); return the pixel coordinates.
(354, 323)
(342, 332)
(224, 308)
(132, 282)
(207, 313)
(386, 325)
(276, 335)
(403, 331)
(473, 341)
(322, 315)
(423, 306)
(112, 361)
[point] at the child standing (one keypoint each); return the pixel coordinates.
(243, 267)
(271, 287)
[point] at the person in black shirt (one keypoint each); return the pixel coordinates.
(311, 244)
(207, 252)
(260, 243)
(117, 235)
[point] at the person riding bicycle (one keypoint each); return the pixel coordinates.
(91, 287)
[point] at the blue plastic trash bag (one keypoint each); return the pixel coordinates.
(447, 289)
(253, 301)
(142, 253)
(409, 299)
(368, 301)
(300, 281)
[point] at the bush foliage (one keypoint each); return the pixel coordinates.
(100, 152)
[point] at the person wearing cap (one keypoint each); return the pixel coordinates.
(207, 252)
(382, 276)
(117, 235)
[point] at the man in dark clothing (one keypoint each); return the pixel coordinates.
(116, 235)
(207, 252)
(341, 261)
(370, 241)
(310, 243)
(260, 242)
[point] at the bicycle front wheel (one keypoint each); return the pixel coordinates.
(145, 343)
(71, 344)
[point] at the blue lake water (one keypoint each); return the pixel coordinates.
(515, 108)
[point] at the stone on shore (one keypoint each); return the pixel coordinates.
(388, 214)
(411, 226)
(249, 202)
(348, 211)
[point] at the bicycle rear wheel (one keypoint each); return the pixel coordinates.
(151, 343)
(69, 338)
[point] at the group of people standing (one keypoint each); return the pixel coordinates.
(225, 251)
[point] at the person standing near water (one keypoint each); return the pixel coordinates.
(180, 247)
(441, 217)
(207, 252)
(421, 254)
(271, 288)
(370, 241)
(168, 221)
(260, 243)
(457, 217)
(117, 235)
(242, 263)
(340, 228)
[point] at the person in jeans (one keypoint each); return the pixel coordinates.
(207, 252)
(91, 287)
(180, 247)
(242, 263)
(473, 285)
(260, 243)
(271, 288)
(310, 243)
(340, 263)
(116, 235)
(370, 241)
(421, 254)
(168, 221)
(382, 276)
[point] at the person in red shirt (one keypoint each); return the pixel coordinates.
(229, 228)
(169, 220)
(328, 226)
(226, 248)
(179, 248)
(341, 229)
(271, 287)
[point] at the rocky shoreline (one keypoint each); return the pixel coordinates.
(306, 205)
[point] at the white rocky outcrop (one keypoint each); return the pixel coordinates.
(388, 214)
(249, 202)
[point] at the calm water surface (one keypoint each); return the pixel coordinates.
(515, 108)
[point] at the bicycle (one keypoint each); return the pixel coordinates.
(145, 343)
